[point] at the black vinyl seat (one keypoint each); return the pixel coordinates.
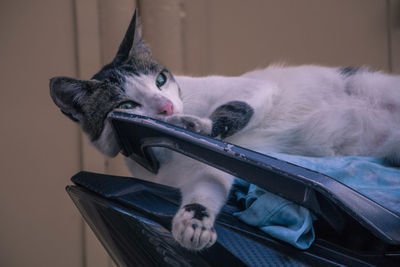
(132, 217)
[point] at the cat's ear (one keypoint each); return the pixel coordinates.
(69, 94)
(132, 45)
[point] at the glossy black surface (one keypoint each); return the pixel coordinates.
(132, 219)
(336, 203)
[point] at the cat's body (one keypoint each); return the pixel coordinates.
(305, 110)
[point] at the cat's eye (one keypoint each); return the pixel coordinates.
(161, 79)
(128, 105)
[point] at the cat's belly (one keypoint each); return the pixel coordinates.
(325, 132)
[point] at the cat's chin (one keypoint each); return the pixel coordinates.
(107, 142)
(109, 149)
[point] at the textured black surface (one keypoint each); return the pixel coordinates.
(123, 211)
(253, 253)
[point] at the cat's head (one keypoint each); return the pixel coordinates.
(133, 81)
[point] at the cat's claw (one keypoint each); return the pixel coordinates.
(192, 125)
(193, 227)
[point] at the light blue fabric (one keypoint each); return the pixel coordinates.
(372, 177)
(289, 222)
(276, 216)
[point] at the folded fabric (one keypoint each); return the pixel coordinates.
(275, 215)
(287, 221)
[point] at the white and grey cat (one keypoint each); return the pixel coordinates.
(305, 110)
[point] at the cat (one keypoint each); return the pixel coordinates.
(305, 110)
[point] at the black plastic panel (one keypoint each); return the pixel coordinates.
(323, 195)
(132, 219)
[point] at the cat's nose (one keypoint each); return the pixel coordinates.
(167, 109)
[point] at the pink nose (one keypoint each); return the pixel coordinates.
(167, 109)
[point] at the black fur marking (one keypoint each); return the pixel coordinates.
(127, 43)
(133, 57)
(348, 71)
(230, 118)
(132, 45)
(199, 210)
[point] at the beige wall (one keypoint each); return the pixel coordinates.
(230, 37)
(41, 149)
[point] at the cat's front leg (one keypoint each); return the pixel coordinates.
(191, 123)
(193, 227)
(202, 199)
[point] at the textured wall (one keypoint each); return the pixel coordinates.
(39, 148)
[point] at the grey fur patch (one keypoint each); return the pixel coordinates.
(350, 71)
(89, 102)
(230, 118)
(104, 99)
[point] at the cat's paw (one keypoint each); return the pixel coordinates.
(191, 123)
(193, 227)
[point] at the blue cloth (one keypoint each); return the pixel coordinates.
(275, 215)
(284, 220)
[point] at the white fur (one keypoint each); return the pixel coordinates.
(107, 142)
(305, 110)
(144, 91)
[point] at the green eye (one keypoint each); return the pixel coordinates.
(128, 105)
(161, 79)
